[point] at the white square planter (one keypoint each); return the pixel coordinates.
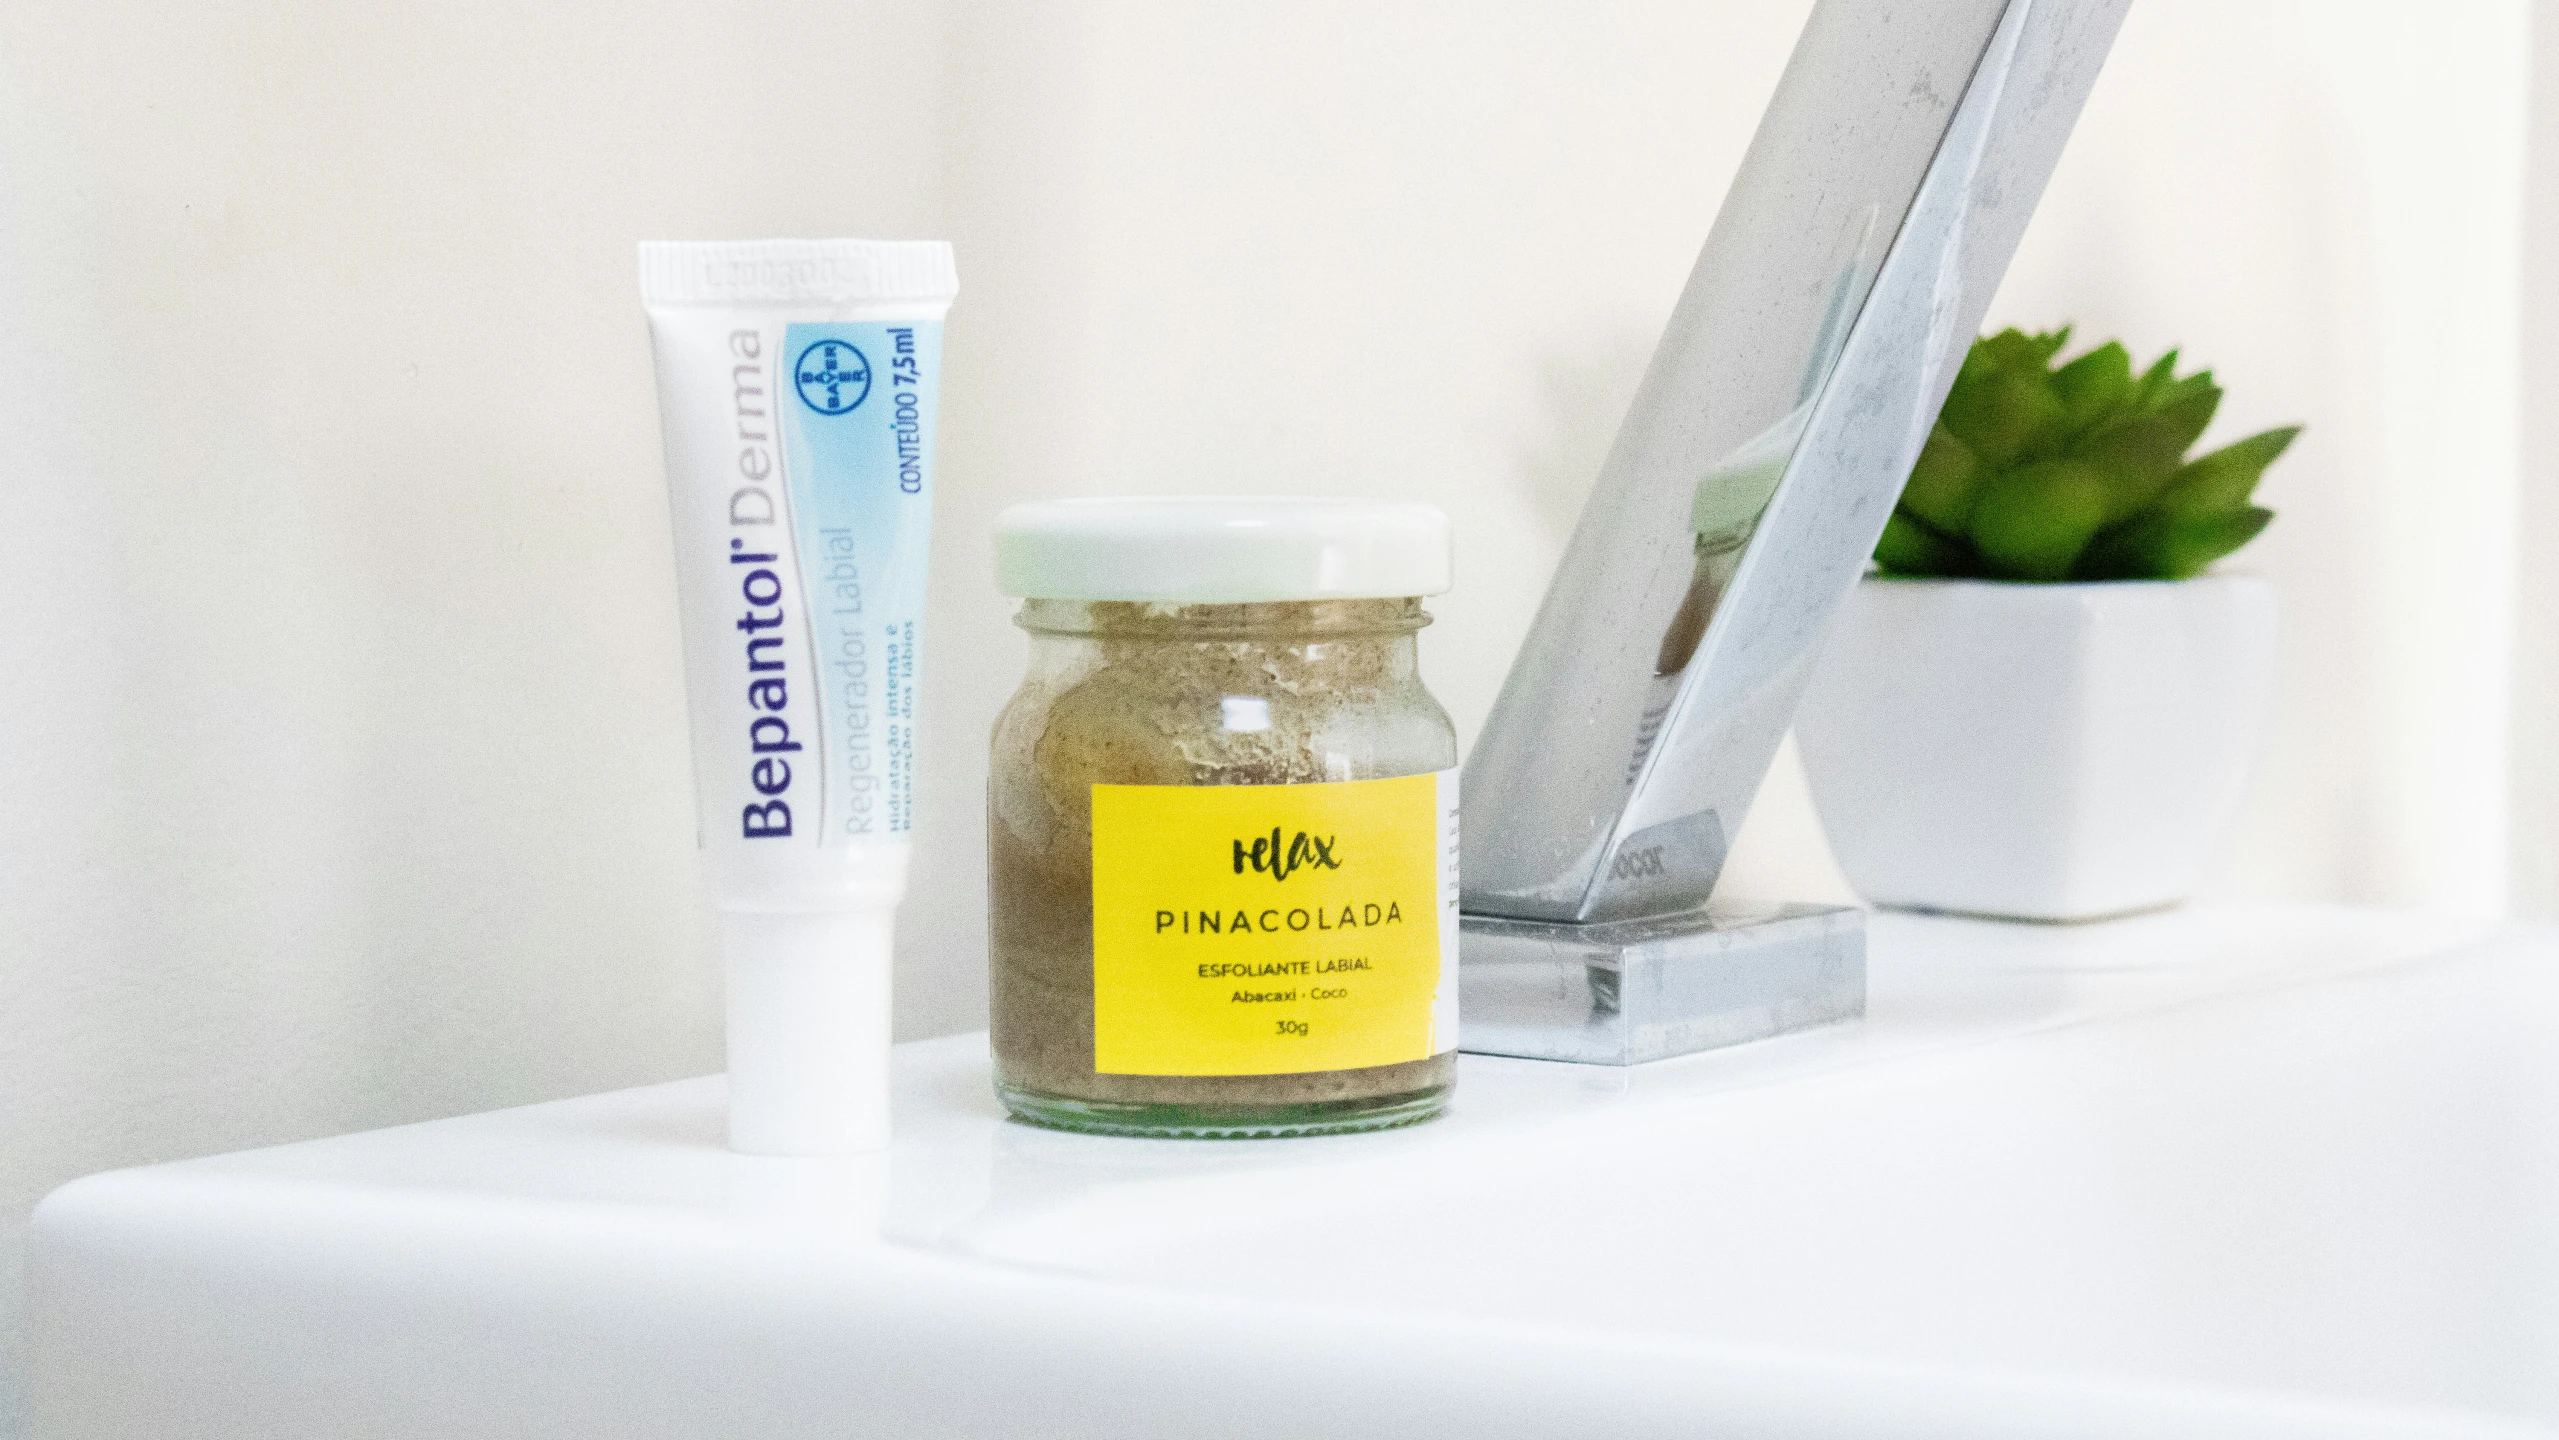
(2047, 752)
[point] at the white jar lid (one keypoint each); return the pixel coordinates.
(1221, 550)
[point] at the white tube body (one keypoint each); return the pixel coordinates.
(796, 388)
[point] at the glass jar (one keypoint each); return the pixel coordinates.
(1222, 821)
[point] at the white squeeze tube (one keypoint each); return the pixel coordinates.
(796, 383)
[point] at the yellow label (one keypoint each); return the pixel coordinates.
(1272, 929)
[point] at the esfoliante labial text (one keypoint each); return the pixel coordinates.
(796, 387)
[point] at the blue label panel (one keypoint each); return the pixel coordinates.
(857, 450)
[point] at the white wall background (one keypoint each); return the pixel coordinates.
(341, 751)
(2535, 714)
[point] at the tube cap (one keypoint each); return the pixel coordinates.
(808, 1031)
(1221, 550)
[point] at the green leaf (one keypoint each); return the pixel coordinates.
(2224, 480)
(2016, 352)
(1910, 547)
(2155, 382)
(2093, 386)
(1940, 489)
(2188, 412)
(2190, 545)
(2160, 546)
(2031, 523)
(2002, 416)
(2177, 387)
(1976, 368)
(2136, 457)
(2121, 552)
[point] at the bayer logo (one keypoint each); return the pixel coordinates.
(833, 377)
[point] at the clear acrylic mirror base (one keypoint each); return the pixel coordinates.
(1622, 992)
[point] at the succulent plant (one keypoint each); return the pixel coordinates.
(2034, 472)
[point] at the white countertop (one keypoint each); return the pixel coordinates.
(2229, 1171)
